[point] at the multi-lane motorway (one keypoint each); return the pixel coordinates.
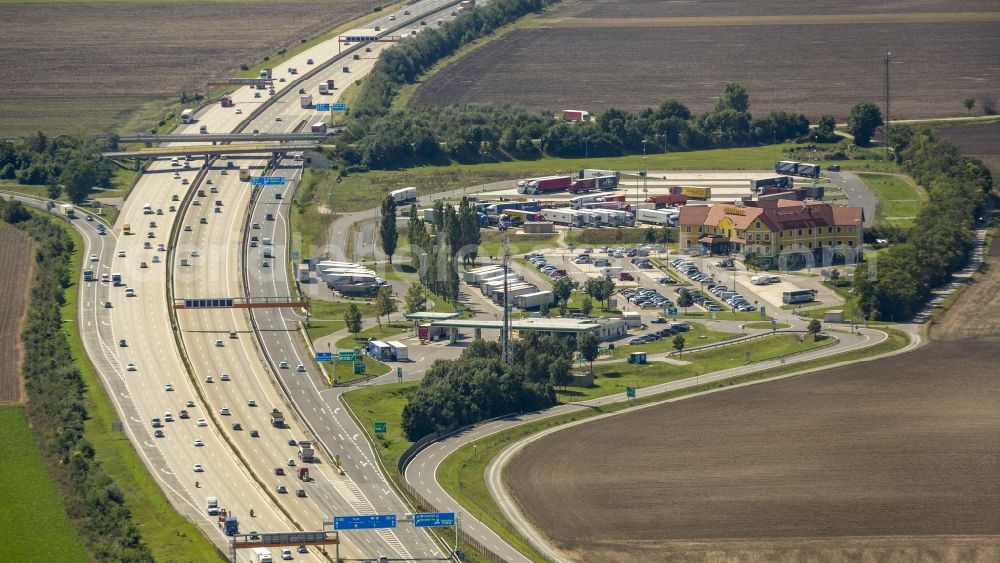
(150, 373)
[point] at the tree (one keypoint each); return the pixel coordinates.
(416, 299)
(753, 261)
(734, 98)
(385, 303)
(827, 126)
(587, 306)
(562, 288)
(988, 103)
(650, 235)
(813, 329)
(387, 227)
(543, 309)
(864, 119)
(589, 348)
(78, 178)
(684, 299)
(415, 229)
(352, 318)
(969, 103)
(599, 288)
(679, 344)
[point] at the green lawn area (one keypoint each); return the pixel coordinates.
(900, 198)
(170, 536)
(384, 332)
(618, 236)
(492, 243)
(697, 336)
(611, 378)
(384, 403)
(311, 213)
(461, 474)
(33, 520)
(327, 317)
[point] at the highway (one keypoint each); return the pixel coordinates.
(143, 321)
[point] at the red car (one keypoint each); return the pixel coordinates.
(625, 276)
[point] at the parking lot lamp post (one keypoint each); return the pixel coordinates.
(586, 150)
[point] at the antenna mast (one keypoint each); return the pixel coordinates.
(886, 139)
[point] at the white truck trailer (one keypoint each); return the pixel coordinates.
(656, 216)
(533, 300)
(405, 195)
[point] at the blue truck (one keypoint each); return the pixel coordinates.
(792, 168)
(231, 526)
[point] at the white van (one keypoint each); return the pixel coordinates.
(266, 241)
(760, 280)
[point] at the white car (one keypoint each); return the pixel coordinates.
(93, 258)
(283, 365)
(300, 368)
(239, 111)
(219, 344)
(291, 462)
(286, 553)
(201, 422)
(251, 403)
(168, 387)
(156, 259)
(224, 411)
(224, 377)
(194, 253)
(208, 379)
(198, 443)
(121, 254)
(130, 366)
(198, 468)
(167, 417)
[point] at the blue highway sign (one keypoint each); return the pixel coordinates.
(322, 107)
(364, 522)
(267, 180)
(324, 357)
(339, 107)
(428, 519)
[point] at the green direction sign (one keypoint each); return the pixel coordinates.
(399, 374)
(380, 427)
(630, 392)
(345, 356)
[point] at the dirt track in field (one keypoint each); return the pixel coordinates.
(891, 460)
(92, 65)
(15, 283)
(815, 58)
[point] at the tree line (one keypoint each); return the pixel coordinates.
(70, 164)
(478, 385)
(942, 235)
(437, 253)
(55, 407)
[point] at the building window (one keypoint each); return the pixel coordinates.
(781, 247)
(850, 229)
(699, 228)
(850, 243)
(757, 225)
(781, 234)
(758, 236)
(810, 244)
(829, 230)
(767, 236)
(800, 232)
(767, 250)
(689, 228)
(838, 229)
(810, 231)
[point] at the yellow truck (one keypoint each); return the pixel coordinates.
(692, 192)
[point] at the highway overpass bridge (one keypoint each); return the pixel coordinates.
(156, 140)
(208, 151)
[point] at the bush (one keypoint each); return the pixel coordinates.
(281, 51)
(244, 67)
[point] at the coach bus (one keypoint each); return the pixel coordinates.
(798, 296)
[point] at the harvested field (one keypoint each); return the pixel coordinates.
(815, 58)
(979, 140)
(16, 256)
(93, 65)
(890, 460)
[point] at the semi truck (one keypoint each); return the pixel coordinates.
(563, 216)
(262, 555)
(265, 74)
(546, 184)
(68, 211)
(277, 418)
(669, 200)
(404, 195)
(318, 127)
(771, 182)
(575, 115)
(692, 192)
(792, 168)
(498, 208)
(226, 101)
(212, 505)
(323, 88)
(306, 101)
(306, 452)
(467, 4)
(187, 116)
(231, 526)
(533, 300)
(656, 216)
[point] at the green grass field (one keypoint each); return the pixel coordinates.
(899, 197)
(170, 536)
(386, 331)
(384, 403)
(697, 336)
(34, 521)
(327, 317)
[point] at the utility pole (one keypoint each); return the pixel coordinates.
(886, 61)
(505, 334)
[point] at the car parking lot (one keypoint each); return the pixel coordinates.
(726, 295)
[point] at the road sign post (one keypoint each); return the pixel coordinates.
(630, 392)
(672, 311)
(433, 519)
(362, 522)
(267, 180)
(380, 427)
(399, 374)
(324, 357)
(339, 107)
(322, 107)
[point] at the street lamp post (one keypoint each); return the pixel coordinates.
(644, 174)
(586, 151)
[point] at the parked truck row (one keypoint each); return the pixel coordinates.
(792, 168)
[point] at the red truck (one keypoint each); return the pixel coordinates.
(226, 101)
(583, 186)
(575, 115)
(533, 186)
(667, 200)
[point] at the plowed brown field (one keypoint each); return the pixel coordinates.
(92, 65)
(889, 460)
(810, 57)
(979, 140)
(16, 256)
